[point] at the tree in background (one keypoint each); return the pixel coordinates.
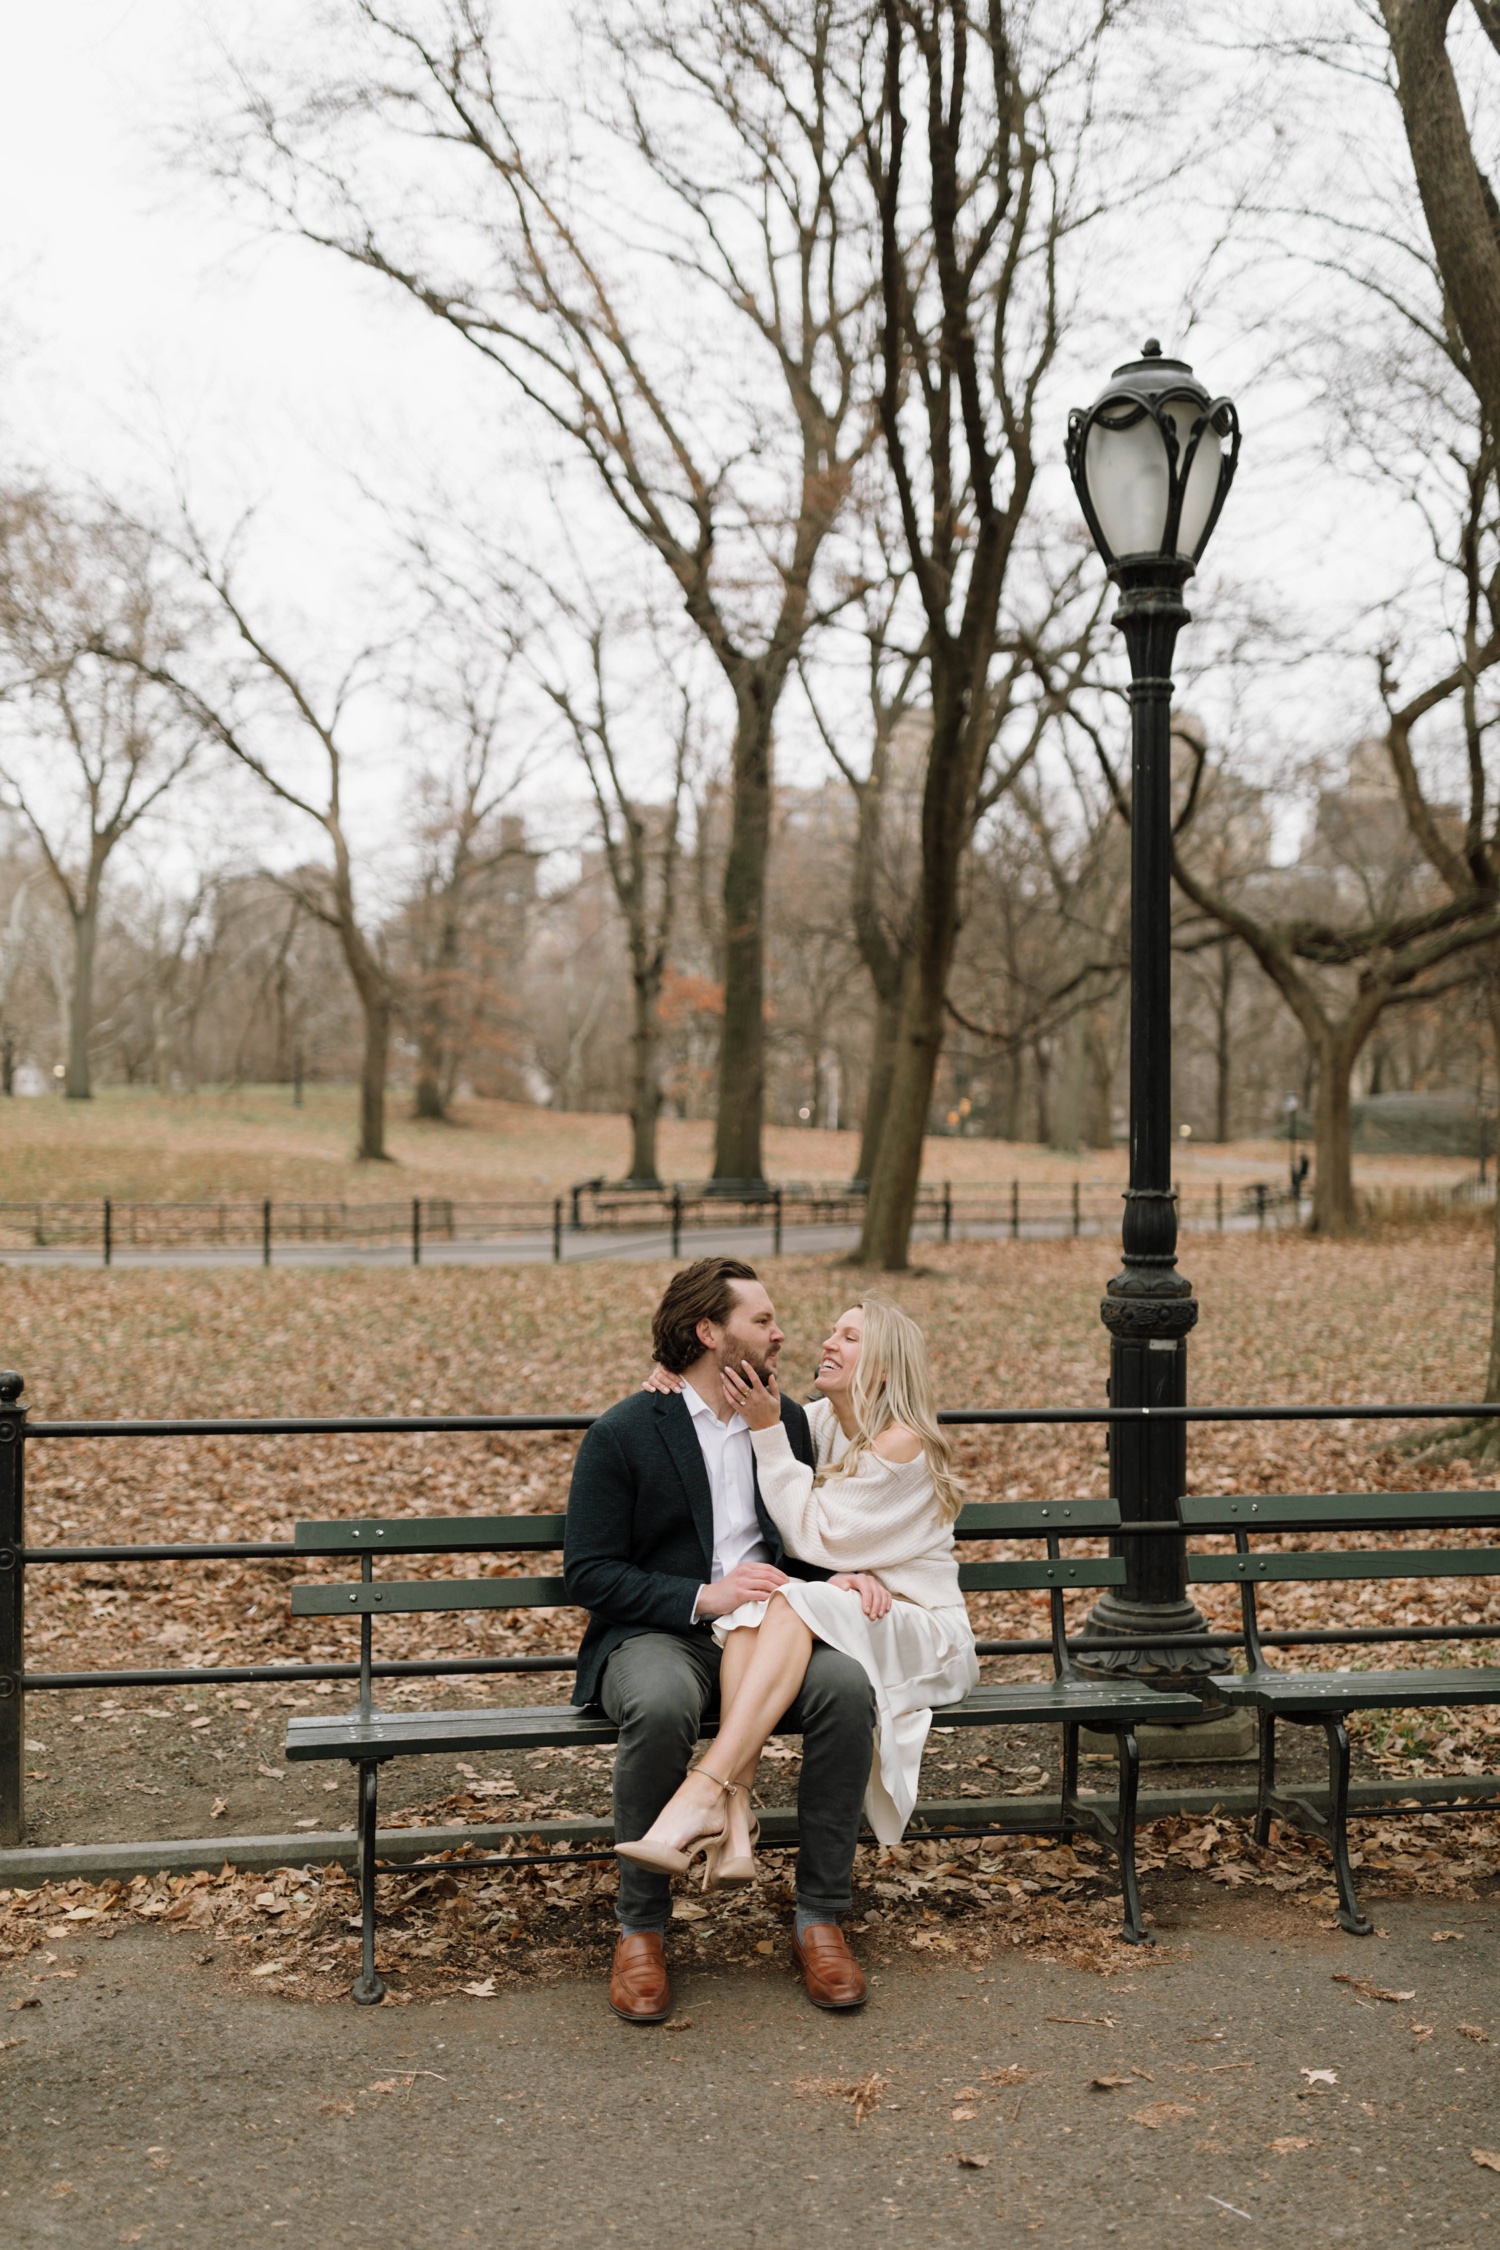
(641, 846)
(697, 337)
(975, 209)
(89, 748)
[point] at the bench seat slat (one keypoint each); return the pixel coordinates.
(1330, 1692)
(404, 1597)
(1338, 1511)
(413, 1733)
(1428, 1562)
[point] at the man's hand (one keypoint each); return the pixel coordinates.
(758, 1404)
(874, 1599)
(747, 1582)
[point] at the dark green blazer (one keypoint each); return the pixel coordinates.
(640, 1531)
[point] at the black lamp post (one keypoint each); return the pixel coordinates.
(1151, 461)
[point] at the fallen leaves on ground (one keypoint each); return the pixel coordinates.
(1157, 2114)
(862, 2093)
(1285, 2143)
(1319, 2077)
(1487, 2158)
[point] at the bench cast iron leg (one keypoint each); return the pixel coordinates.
(1069, 1781)
(1135, 1931)
(368, 1988)
(1350, 1917)
(1267, 1778)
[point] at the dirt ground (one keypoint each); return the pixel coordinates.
(1236, 2077)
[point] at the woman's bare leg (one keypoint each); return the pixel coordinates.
(764, 1692)
(739, 1653)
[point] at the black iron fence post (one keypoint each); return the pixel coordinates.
(1077, 1220)
(676, 1222)
(12, 1609)
(109, 1232)
(1218, 1206)
(776, 1228)
(416, 1230)
(1015, 1210)
(265, 1232)
(947, 1210)
(557, 1212)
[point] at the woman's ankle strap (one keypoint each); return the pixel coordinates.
(730, 1788)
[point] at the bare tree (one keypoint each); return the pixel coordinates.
(258, 693)
(464, 840)
(640, 842)
(739, 126)
(974, 216)
(89, 748)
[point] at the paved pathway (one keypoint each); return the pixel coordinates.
(145, 2104)
(536, 1248)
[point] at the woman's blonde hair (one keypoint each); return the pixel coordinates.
(893, 1383)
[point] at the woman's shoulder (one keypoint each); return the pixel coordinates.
(899, 1446)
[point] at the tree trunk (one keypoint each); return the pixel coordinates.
(77, 1084)
(1492, 1380)
(898, 1164)
(742, 1041)
(1223, 1045)
(376, 1006)
(1333, 1211)
(1455, 194)
(878, 1090)
(645, 1079)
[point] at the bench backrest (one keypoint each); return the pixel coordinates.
(372, 1597)
(1272, 1513)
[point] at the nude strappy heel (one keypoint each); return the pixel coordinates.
(669, 1859)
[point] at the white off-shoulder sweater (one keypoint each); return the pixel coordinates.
(884, 1519)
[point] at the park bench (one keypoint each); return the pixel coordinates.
(368, 1738)
(1325, 1699)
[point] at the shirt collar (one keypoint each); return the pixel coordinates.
(699, 1406)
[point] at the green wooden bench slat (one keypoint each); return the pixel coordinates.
(434, 1535)
(418, 1733)
(401, 1598)
(460, 1535)
(1356, 1691)
(1337, 1511)
(1092, 1570)
(1016, 1519)
(1430, 1562)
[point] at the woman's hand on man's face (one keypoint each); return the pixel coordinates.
(757, 1403)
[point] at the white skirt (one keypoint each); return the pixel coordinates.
(915, 1658)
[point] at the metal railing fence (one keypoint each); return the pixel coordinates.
(17, 1559)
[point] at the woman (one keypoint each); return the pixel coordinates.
(878, 1513)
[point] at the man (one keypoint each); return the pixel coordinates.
(665, 1532)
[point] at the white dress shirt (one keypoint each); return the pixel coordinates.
(729, 1458)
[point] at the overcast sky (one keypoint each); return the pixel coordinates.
(145, 325)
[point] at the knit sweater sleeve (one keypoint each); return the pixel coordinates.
(877, 1519)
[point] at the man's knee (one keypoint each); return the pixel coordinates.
(837, 1695)
(648, 1694)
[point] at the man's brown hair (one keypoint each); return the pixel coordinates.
(702, 1291)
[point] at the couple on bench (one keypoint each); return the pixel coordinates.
(734, 1549)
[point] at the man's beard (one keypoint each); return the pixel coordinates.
(764, 1368)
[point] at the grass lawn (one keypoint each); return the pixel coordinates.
(249, 1141)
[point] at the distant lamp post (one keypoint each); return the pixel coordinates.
(1152, 461)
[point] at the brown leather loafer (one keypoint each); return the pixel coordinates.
(830, 1972)
(638, 1987)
